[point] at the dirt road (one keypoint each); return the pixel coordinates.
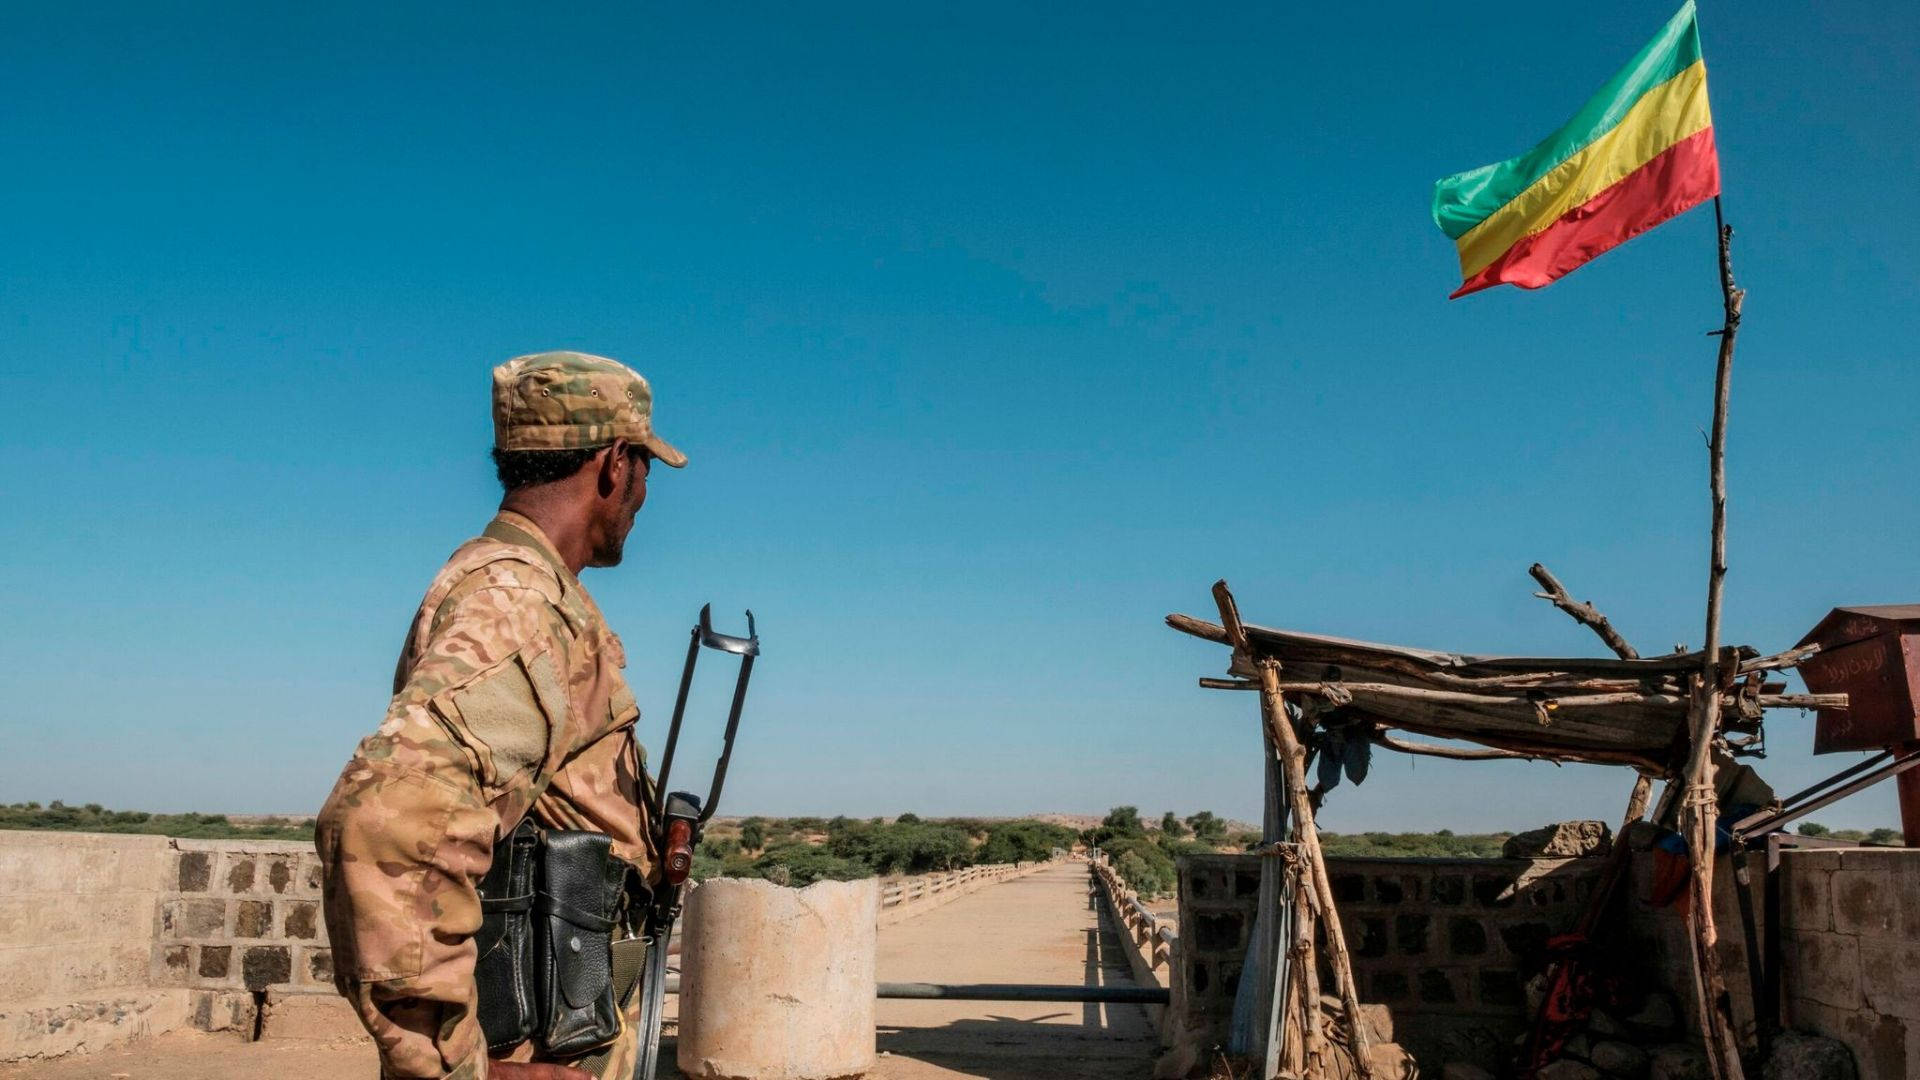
(1042, 928)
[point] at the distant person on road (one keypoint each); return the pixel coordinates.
(508, 701)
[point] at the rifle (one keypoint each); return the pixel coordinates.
(678, 821)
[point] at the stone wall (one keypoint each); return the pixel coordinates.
(242, 915)
(1850, 945)
(104, 938)
(1447, 944)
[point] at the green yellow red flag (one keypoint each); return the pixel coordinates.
(1639, 152)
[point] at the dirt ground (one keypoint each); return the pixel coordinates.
(1043, 928)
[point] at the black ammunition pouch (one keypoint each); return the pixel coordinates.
(579, 899)
(549, 905)
(504, 972)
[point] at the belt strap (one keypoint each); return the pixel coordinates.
(586, 920)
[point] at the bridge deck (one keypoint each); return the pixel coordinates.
(1042, 928)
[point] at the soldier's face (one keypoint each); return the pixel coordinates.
(632, 494)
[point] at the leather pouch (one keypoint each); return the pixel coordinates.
(504, 971)
(574, 913)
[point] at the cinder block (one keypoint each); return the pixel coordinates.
(1466, 936)
(253, 919)
(1500, 989)
(1864, 902)
(1437, 987)
(131, 960)
(1390, 986)
(196, 871)
(173, 964)
(193, 920)
(1890, 977)
(313, 966)
(216, 961)
(1824, 967)
(1807, 898)
(262, 966)
(1367, 937)
(1410, 932)
(241, 872)
(301, 919)
(27, 973)
(1349, 888)
(310, 875)
(1812, 858)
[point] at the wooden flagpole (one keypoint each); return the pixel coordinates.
(1700, 806)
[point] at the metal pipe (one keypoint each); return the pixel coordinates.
(1116, 995)
(1112, 995)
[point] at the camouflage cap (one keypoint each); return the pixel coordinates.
(572, 401)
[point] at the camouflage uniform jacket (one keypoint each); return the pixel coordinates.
(508, 698)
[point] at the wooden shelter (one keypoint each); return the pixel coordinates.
(1318, 691)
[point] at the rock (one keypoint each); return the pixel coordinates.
(1536, 992)
(1808, 1057)
(1461, 1070)
(1657, 1015)
(1578, 1045)
(1476, 1045)
(1566, 840)
(1567, 1069)
(1678, 1062)
(1620, 1059)
(1603, 1025)
(1390, 1059)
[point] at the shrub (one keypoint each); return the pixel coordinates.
(1145, 868)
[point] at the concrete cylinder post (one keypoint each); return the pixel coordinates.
(778, 983)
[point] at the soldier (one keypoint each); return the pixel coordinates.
(508, 699)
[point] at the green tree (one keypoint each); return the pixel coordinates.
(908, 818)
(1885, 838)
(1171, 826)
(1812, 828)
(753, 835)
(800, 865)
(1207, 827)
(1142, 864)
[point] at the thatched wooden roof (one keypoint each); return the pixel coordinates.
(1603, 709)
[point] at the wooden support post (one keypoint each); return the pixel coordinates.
(1269, 974)
(1293, 762)
(1304, 985)
(1636, 805)
(1699, 801)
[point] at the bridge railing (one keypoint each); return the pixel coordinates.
(908, 890)
(903, 898)
(1153, 941)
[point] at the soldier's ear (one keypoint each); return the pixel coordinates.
(612, 462)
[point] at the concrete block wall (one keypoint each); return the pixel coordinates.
(76, 941)
(1439, 941)
(1850, 952)
(242, 915)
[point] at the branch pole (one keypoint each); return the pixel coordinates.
(1584, 613)
(1293, 758)
(1699, 803)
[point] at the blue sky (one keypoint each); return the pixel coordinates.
(994, 333)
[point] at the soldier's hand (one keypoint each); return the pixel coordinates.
(511, 1070)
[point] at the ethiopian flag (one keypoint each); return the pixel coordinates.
(1637, 153)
